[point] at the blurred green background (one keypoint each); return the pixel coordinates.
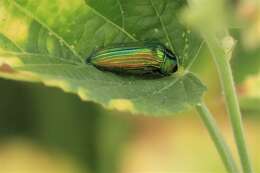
(46, 130)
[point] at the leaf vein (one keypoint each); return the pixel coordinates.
(122, 13)
(28, 13)
(112, 23)
(191, 62)
(163, 26)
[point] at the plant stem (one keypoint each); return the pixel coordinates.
(217, 138)
(224, 70)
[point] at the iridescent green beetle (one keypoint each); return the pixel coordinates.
(152, 58)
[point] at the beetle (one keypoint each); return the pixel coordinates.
(135, 59)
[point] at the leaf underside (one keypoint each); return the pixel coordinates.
(48, 42)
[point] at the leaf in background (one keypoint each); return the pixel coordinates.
(247, 52)
(249, 94)
(48, 42)
(250, 105)
(245, 63)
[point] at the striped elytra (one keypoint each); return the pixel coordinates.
(135, 59)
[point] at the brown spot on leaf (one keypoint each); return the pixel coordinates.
(6, 68)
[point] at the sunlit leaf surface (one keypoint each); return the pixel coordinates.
(48, 42)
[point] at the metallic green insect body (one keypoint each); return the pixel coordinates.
(134, 59)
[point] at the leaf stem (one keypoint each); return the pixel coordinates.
(217, 138)
(224, 70)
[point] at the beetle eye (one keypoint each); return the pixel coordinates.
(169, 54)
(175, 68)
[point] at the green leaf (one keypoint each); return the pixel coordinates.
(43, 41)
